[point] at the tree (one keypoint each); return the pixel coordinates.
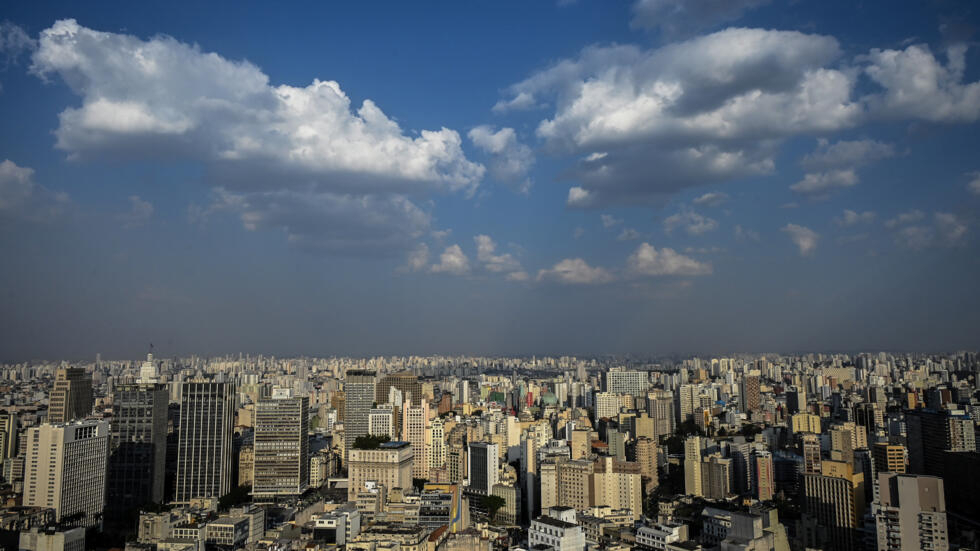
(492, 504)
(419, 483)
(235, 497)
(370, 441)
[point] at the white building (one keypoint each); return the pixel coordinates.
(557, 534)
(660, 536)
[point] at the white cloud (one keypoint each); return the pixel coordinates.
(418, 258)
(822, 183)
(804, 238)
(139, 213)
(917, 85)
(579, 197)
(609, 220)
(510, 159)
(452, 261)
(578, 232)
(522, 101)
(14, 42)
(306, 147)
(745, 234)
(950, 228)
(711, 199)
(846, 154)
(517, 276)
(691, 222)
(628, 234)
(575, 271)
(915, 237)
(852, 218)
(904, 218)
(22, 197)
(974, 185)
(678, 17)
(648, 261)
(486, 253)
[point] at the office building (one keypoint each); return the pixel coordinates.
(281, 465)
(359, 389)
(71, 397)
(835, 499)
(9, 426)
(138, 449)
(204, 447)
(933, 432)
(482, 468)
(889, 458)
(389, 465)
(750, 392)
(405, 381)
(622, 381)
(692, 466)
(65, 470)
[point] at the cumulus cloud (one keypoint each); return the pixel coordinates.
(833, 166)
(140, 212)
(418, 258)
(510, 159)
(974, 185)
(452, 261)
(853, 218)
(691, 222)
(646, 123)
(14, 42)
(711, 199)
(486, 253)
(917, 85)
(575, 271)
(822, 183)
(804, 238)
(648, 261)
(609, 220)
(21, 197)
(628, 234)
(679, 17)
(281, 152)
(913, 230)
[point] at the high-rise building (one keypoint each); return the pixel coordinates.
(692, 466)
(805, 422)
(617, 484)
(415, 420)
(9, 425)
(835, 498)
(148, 371)
(796, 400)
(716, 477)
(749, 392)
(71, 397)
(281, 444)
(622, 381)
(405, 381)
(389, 465)
(381, 421)
(646, 456)
(359, 389)
(138, 449)
(931, 433)
(483, 461)
(204, 447)
(436, 438)
(762, 471)
(910, 513)
(811, 453)
(889, 458)
(65, 470)
(606, 405)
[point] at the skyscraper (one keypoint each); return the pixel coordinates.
(71, 397)
(9, 423)
(835, 498)
(811, 453)
(889, 458)
(483, 459)
(796, 400)
(692, 466)
(281, 465)
(138, 450)
(622, 381)
(910, 513)
(359, 387)
(415, 418)
(762, 471)
(749, 392)
(65, 470)
(930, 433)
(204, 448)
(404, 381)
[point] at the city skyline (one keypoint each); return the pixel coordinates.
(653, 177)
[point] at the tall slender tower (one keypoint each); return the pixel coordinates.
(204, 468)
(281, 466)
(71, 397)
(359, 389)
(138, 450)
(692, 466)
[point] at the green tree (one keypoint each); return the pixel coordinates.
(370, 441)
(492, 504)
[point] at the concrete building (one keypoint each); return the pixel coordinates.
(931, 433)
(51, 539)
(483, 467)
(622, 381)
(560, 535)
(359, 389)
(889, 458)
(390, 465)
(138, 449)
(910, 513)
(750, 395)
(282, 447)
(204, 447)
(66, 470)
(762, 475)
(381, 422)
(71, 397)
(835, 498)
(692, 466)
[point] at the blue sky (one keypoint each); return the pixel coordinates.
(648, 177)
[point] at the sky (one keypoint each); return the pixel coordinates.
(652, 177)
